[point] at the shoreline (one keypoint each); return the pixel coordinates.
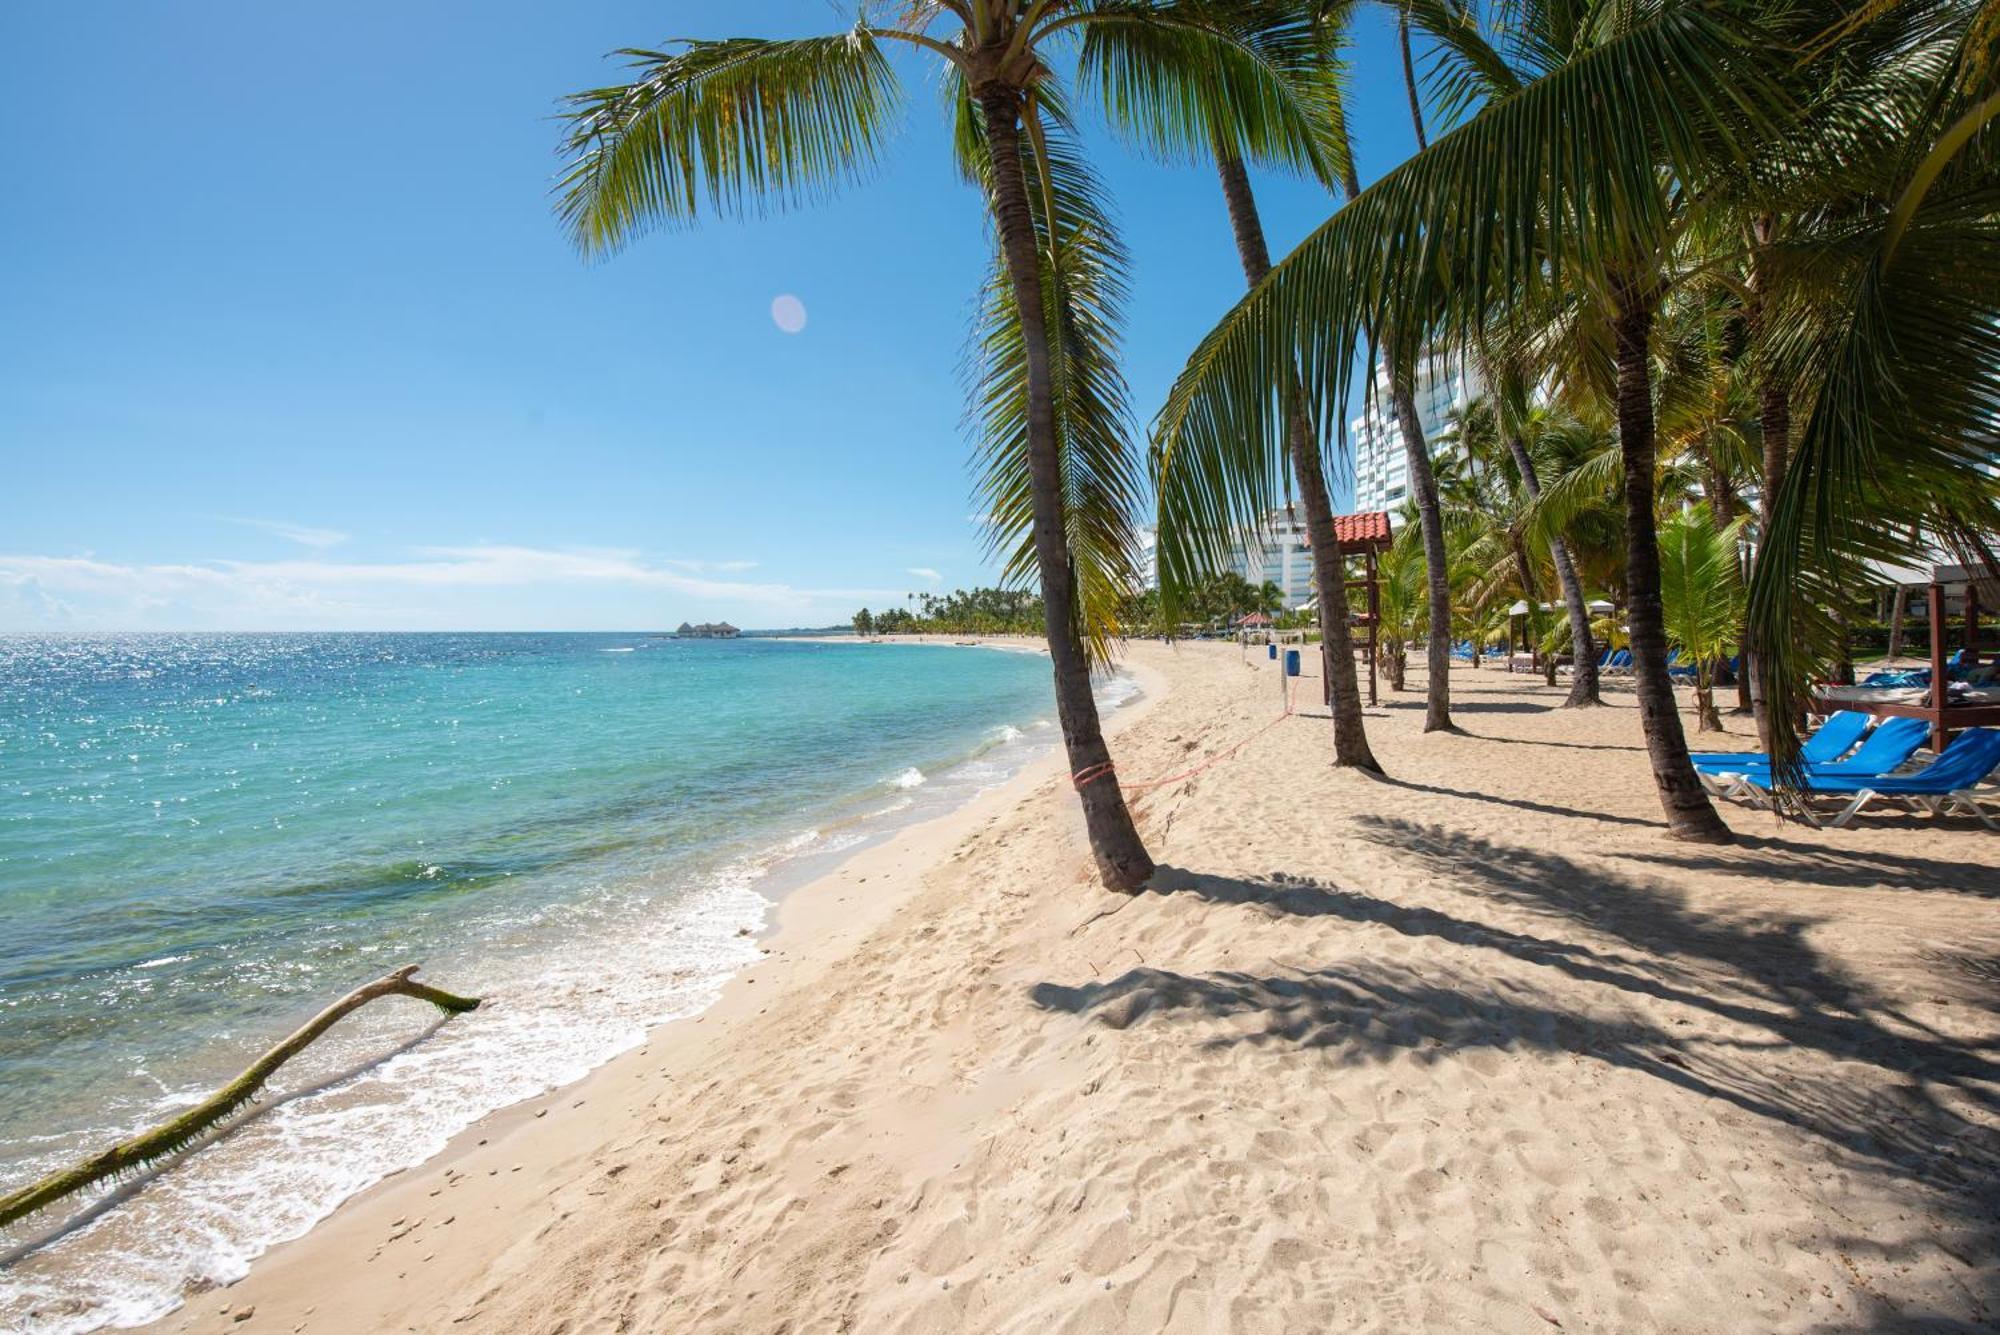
(1472, 1047)
(807, 924)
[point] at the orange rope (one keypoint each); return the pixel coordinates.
(1083, 778)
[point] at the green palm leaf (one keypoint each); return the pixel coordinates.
(1893, 329)
(738, 125)
(1467, 226)
(1084, 291)
(1251, 79)
(1701, 585)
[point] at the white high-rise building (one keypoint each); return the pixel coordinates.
(1381, 467)
(1277, 552)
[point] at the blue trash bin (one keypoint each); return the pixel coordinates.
(1273, 651)
(1291, 661)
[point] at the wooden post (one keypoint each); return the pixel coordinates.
(1939, 737)
(1971, 623)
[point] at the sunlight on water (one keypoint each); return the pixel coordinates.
(205, 838)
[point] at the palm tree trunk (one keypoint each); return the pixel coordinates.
(1583, 689)
(1410, 76)
(1774, 416)
(1403, 400)
(1706, 719)
(1774, 413)
(1122, 861)
(1437, 572)
(1899, 608)
(1723, 503)
(1350, 734)
(1689, 814)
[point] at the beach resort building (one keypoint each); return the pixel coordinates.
(1381, 468)
(707, 630)
(1276, 551)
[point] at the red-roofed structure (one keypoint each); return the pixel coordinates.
(1367, 531)
(1364, 535)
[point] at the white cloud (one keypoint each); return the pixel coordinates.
(926, 574)
(299, 533)
(712, 567)
(489, 586)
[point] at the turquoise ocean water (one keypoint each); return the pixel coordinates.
(205, 838)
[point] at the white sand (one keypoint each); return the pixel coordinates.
(1476, 1049)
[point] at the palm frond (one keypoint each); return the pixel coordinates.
(1701, 586)
(1901, 386)
(1250, 78)
(1084, 291)
(1545, 189)
(736, 126)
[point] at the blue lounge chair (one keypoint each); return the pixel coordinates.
(1603, 660)
(1944, 787)
(1886, 750)
(1835, 738)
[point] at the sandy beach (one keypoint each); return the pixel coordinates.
(1473, 1048)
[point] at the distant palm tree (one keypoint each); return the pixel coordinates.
(1402, 600)
(744, 123)
(1701, 592)
(1520, 421)
(1204, 504)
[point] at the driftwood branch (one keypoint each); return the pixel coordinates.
(183, 1130)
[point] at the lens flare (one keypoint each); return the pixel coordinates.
(788, 313)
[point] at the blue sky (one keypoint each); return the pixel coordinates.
(289, 337)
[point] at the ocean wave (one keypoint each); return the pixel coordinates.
(909, 778)
(545, 1023)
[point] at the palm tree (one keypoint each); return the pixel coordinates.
(1402, 600)
(1491, 438)
(1399, 357)
(1196, 517)
(745, 123)
(1518, 420)
(1701, 589)
(1598, 129)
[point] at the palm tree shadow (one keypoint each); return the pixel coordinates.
(1931, 1128)
(1459, 706)
(1830, 864)
(1523, 804)
(1543, 741)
